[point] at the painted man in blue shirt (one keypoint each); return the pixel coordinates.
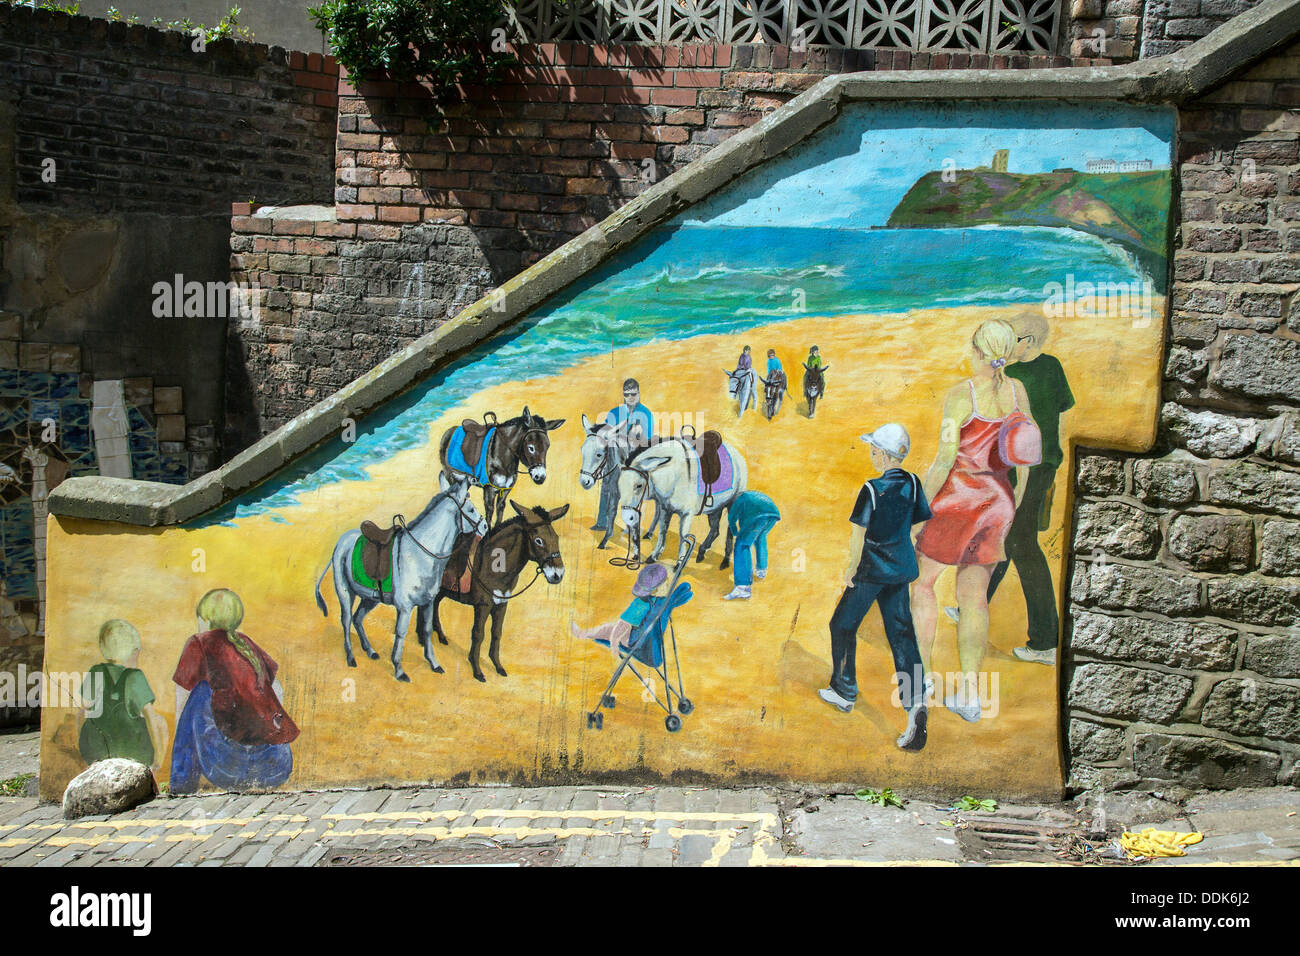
(749, 518)
(642, 428)
(883, 565)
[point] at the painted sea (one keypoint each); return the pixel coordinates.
(698, 280)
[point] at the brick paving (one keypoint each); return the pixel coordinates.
(586, 826)
(593, 826)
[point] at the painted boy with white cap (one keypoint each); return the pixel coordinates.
(882, 565)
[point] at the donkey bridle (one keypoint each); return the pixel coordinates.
(538, 561)
(400, 521)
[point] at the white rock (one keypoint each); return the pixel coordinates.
(108, 786)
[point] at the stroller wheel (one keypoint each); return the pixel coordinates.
(607, 700)
(684, 706)
(595, 721)
(673, 723)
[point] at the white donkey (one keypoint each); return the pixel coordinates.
(420, 552)
(742, 385)
(605, 450)
(670, 474)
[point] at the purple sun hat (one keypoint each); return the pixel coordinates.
(649, 578)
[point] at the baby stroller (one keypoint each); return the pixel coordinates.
(646, 647)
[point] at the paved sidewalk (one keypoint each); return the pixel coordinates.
(651, 826)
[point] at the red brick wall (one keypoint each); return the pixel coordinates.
(436, 204)
(574, 131)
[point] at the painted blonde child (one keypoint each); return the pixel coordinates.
(117, 713)
(232, 727)
(651, 582)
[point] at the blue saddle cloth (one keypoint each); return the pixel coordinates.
(456, 455)
(647, 640)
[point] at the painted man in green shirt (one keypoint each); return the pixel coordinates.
(1049, 397)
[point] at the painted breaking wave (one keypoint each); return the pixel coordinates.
(688, 281)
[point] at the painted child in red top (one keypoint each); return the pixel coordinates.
(232, 727)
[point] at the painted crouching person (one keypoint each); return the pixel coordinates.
(232, 727)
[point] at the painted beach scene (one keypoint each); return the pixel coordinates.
(778, 492)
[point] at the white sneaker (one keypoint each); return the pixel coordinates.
(1037, 657)
(967, 712)
(954, 614)
(739, 592)
(760, 573)
(913, 738)
(835, 700)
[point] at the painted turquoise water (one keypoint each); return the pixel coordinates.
(703, 280)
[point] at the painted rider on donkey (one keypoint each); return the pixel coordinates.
(643, 422)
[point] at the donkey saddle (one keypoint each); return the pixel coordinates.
(472, 444)
(377, 552)
(710, 460)
(459, 569)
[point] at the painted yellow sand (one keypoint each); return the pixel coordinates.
(751, 668)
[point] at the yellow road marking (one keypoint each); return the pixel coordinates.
(764, 851)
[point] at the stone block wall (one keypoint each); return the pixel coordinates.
(1184, 628)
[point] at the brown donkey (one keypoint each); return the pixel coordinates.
(493, 570)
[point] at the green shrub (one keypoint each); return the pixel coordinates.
(443, 41)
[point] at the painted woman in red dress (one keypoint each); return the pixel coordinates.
(973, 504)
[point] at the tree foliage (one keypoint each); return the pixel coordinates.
(444, 41)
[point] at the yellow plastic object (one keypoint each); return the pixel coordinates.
(1152, 842)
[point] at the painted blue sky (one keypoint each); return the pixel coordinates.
(854, 174)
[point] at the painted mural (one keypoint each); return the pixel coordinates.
(779, 492)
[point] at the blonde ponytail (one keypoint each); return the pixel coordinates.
(996, 341)
(224, 611)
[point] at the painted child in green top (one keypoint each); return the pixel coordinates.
(117, 713)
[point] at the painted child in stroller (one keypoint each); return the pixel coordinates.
(638, 637)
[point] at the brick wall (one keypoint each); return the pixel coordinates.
(150, 142)
(1170, 25)
(135, 118)
(1134, 29)
(1185, 618)
(436, 205)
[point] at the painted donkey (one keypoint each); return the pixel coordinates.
(420, 549)
(742, 385)
(672, 474)
(490, 454)
(485, 576)
(814, 385)
(605, 450)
